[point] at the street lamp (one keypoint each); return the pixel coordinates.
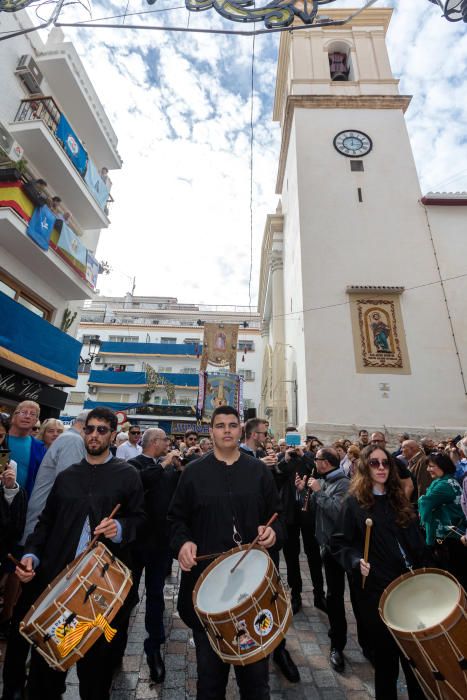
(93, 351)
(453, 10)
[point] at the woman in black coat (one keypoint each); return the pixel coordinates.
(396, 545)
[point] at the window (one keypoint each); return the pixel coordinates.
(167, 341)
(189, 370)
(108, 396)
(248, 403)
(16, 291)
(76, 397)
(86, 339)
(184, 401)
(165, 369)
(192, 341)
(247, 345)
(247, 374)
(123, 338)
(356, 166)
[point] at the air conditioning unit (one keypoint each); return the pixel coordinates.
(29, 73)
(93, 389)
(9, 146)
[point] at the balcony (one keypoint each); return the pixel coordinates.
(138, 379)
(36, 347)
(52, 265)
(34, 128)
(151, 349)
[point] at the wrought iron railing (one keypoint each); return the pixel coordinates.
(43, 108)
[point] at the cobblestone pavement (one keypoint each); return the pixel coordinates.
(307, 641)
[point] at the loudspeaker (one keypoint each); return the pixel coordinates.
(249, 413)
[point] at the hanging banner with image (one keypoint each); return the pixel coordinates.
(221, 389)
(40, 226)
(220, 345)
(92, 269)
(72, 250)
(96, 184)
(71, 144)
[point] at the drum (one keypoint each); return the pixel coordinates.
(71, 614)
(245, 614)
(426, 612)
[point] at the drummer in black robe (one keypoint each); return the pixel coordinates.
(221, 501)
(77, 508)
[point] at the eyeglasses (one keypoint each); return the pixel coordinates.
(135, 432)
(375, 463)
(26, 413)
(101, 429)
(35, 429)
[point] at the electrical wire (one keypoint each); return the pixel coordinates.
(252, 141)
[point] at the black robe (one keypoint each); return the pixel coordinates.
(210, 496)
(86, 490)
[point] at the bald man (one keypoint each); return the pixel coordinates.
(417, 463)
(159, 471)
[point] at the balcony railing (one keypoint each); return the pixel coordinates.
(46, 110)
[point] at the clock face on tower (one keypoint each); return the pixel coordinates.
(353, 143)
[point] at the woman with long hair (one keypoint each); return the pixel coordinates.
(396, 545)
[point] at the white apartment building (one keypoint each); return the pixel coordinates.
(135, 331)
(54, 139)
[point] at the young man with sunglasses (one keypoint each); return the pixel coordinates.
(130, 449)
(77, 508)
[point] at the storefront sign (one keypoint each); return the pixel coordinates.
(20, 388)
(181, 428)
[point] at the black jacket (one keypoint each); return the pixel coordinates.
(210, 498)
(285, 481)
(159, 486)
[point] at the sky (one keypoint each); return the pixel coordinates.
(181, 106)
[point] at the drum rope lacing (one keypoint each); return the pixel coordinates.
(437, 675)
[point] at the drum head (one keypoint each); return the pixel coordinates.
(420, 602)
(222, 590)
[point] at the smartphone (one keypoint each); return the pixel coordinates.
(293, 440)
(4, 460)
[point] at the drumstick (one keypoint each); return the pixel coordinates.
(208, 556)
(369, 525)
(255, 541)
(17, 562)
(91, 544)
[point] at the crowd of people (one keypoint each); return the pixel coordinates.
(190, 497)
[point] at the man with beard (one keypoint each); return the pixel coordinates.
(222, 499)
(77, 508)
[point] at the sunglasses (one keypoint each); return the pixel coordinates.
(135, 432)
(375, 463)
(101, 429)
(35, 429)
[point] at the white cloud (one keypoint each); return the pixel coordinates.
(180, 104)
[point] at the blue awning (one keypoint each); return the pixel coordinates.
(35, 346)
(151, 349)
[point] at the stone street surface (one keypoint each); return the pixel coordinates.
(307, 641)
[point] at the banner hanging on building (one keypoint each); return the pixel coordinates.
(70, 247)
(92, 269)
(220, 345)
(40, 226)
(96, 184)
(217, 389)
(71, 144)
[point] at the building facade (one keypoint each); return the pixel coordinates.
(363, 288)
(135, 332)
(54, 139)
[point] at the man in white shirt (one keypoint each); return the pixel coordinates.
(130, 448)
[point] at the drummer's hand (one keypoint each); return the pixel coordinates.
(9, 478)
(25, 576)
(464, 540)
(187, 556)
(267, 536)
(364, 567)
(107, 527)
